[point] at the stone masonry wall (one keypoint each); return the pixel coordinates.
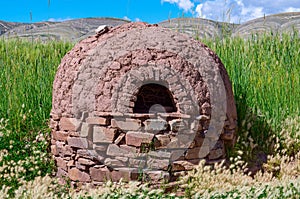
(114, 146)
(97, 136)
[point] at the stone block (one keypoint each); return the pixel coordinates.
(163, 140)
(197, 153)
(77, 175)
(114, 162)
(160, 154)
(150, 175)
(53, 142)
(60, 135)
(103, 135)
(216, 153)
(155, 125)
(55, 116)
(69, 124)
(86, 161)
(141, 116)
(98, 121)
(74, 133)
(127, 125)
(61, 163)
(123, 159)
(137, 163)
(181, 141)
(63, 150)
(137, 138)
(83, 153)
(182, 166)
(174, 143)
(198, 141)
(115, 150)
(54, 150)
(185, 140)
(80, 166)
(61, 173)
(115, 66)
(100, 158)
(177, 155)
(100, 147)
(126, 174)
(172, 80)
(59, 145)
(130, 149)
(100, 174)
(154, 163)
(78, 142)
(71, 163)
(196, 161)
(86, 130)
(53, 124)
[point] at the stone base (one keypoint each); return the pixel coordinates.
(98, 148)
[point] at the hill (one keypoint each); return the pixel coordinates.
(71, 30)
(279, 23)
(78, 29)
(7, 26)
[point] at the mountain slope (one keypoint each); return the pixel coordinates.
(78, 29)
(198, 27)
(6, 26)
(279, 23)
(72, 30)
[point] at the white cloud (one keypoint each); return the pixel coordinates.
(236, 11)
(59, 19)
(199, 11)
(291, 9)
(186, 5)
(126, 18)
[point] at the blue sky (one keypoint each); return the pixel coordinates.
(152, 11)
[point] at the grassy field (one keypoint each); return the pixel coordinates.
(265, 72)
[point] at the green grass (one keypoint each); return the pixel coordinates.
(265, 74)
(27, 72)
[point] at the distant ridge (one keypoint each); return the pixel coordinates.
(199, 27)
(78, 29)
(6, 26)
(71, 30)
(203, 28)
(278, 23)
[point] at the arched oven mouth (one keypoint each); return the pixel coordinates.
(154, 98)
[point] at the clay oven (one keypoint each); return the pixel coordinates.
(139, 101)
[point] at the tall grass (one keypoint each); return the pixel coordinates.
(26, 76)
(265, 74)
(27, 72)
